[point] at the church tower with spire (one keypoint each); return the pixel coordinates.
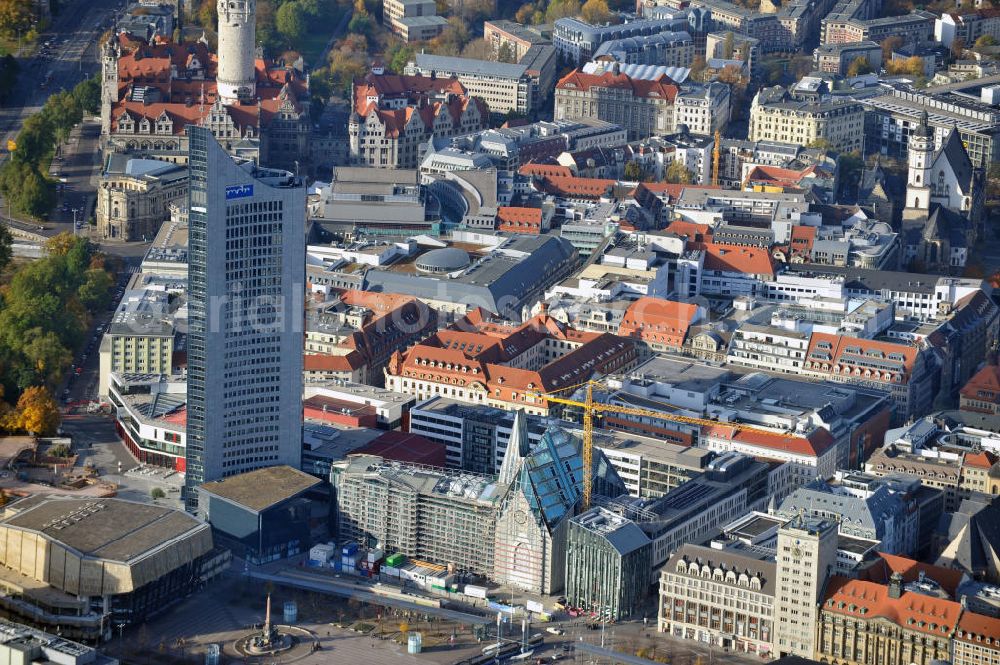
(237, 50)
(921, 158)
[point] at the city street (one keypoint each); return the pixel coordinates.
(70, 58)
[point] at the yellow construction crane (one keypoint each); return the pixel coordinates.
(716, 152)
(591, 408)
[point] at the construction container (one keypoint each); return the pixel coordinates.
(391, 571)
(291, 612)
(213, 654)
(395, 560)
(322, 551)
(349, 549)
(474, 591)
(375, 554)
(414, 643)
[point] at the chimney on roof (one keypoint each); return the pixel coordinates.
(617, 68)
(896, 585)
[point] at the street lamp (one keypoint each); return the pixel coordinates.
(74, 221)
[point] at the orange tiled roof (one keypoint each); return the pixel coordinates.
(978, 628)
(981, 460)
(776, 175)
(694, 232)
(515, 219)
(912, 611)
(477, 350)
(322, 362)
(573, 187)
(986, 381)
(948, 578)
(874, 360)
(535, 169)
(735, 258)
(816, 443)
(658, 320)
(661, 88)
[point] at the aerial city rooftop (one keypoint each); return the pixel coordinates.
(679, 316)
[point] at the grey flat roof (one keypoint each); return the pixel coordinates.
(105, 528)
(263, 488)
(446, 64)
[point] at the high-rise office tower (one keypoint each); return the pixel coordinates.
(806, 557)
(246, 281)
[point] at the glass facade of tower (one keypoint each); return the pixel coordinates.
(246, 289)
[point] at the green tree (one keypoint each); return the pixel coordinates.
(506, 53)
(6, 247)
(88, 95)
(633, 171)
(596, 12)
(398, 56)
(9, 70)
(62, 111)
(207, 16)
(728, 45)
(95, 292)
(46, 355)
(15, 16)
(859, 66)
(267, 29)
(821, 144)
(157, 493)
(361, 24)
(290, 20)
(525, 12)
(679, 174)
(562, 9)
(986, 41)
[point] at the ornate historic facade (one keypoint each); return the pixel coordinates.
(134, 197)
(152, 91)
(395, 115)
(862, 623)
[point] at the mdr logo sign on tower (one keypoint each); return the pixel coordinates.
(239, 192)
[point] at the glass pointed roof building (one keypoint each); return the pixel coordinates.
(541, 487)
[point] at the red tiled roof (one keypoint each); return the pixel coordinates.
(478, 350)
(978, 628)
(693, 232)
(401, 86)
(661, 88)
(658, 320)
(948, 578)
(519, 220)
(321, 362)
(985, 381)
(842, 355)
(981, 460)
(735, 258)
(775, 175)
(535, 169)
(912, 611)
(573, 187)
(816, 443)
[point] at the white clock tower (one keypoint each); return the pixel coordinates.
(237, 45)
(921, 158)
